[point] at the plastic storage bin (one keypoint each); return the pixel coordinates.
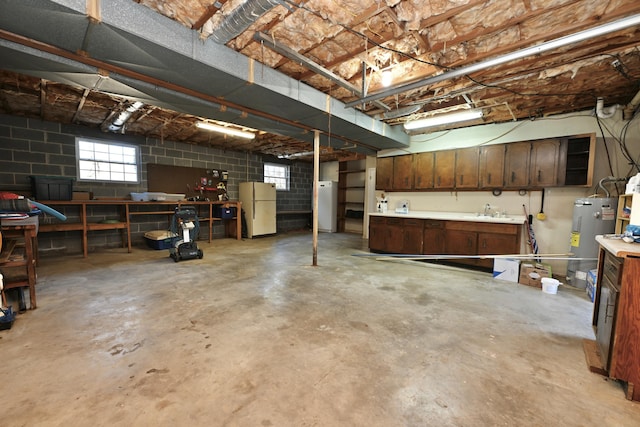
(51, 188)
(159, 239)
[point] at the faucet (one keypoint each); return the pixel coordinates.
(487, 209)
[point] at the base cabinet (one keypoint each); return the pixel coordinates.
(616, 315)
(444, 237)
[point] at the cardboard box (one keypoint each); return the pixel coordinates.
(82, 195)
(531, 273)
(506, 269)
(592, 280)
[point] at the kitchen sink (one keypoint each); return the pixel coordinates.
(487, 218)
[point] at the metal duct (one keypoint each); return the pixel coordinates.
(241, 19)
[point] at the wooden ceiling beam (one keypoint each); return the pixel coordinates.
(208, 13)
(83, 99)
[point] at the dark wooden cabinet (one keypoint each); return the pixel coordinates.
(384, 173)
(433, 237)
(423, 170)
(523, 165)
(459, 241)
(444, 169)
(497, 239)
(412, 232)
(615, 316)
(544, 163)
(403, 172)
(467, 162)
(491, 168)
(516, 165)
(378, 233)
(395, 240)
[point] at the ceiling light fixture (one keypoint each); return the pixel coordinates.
(225, 130)
(442, 119)
(387, 78)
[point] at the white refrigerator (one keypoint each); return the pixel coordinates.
(259, 204)
(328, 206)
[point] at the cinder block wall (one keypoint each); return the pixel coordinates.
(34, 147)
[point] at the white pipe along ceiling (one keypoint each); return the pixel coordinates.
(128, 50)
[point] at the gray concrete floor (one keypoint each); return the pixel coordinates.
(253, 335)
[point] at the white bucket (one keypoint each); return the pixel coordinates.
(549, 285)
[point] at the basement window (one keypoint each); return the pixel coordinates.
(278, 175)
(106, 161)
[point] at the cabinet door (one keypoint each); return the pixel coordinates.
(445, 162)
(395, 236)
(377, 233)
(467, 167)
(384, 173)
(460, 242)
(412, 231)
(492, 166)
(403, 172)
(606, 320)
(544, 163)
(517, 165)
(496, 244)
(423, 171)
(433, 237)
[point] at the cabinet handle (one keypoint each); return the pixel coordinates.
(606, 311)
(539, 175)
(461, 179)
(489, 178)
(513, 176)
(438, 180)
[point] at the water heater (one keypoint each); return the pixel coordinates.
(591, 217)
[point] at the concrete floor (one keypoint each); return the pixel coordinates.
(252, 335)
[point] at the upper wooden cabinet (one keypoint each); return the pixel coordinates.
(403, 172)
(467, 167)
(384, 173)
(444, 166)
(545, 156)
(552, 162)
(491, 173)
(516, 165)
(423, 170)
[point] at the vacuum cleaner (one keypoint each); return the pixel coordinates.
(185, 227)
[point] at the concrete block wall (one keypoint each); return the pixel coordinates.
(35, 147)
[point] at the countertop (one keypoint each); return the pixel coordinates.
(618, 247)
(453, 216)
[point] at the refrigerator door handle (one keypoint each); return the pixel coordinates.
(254, 207)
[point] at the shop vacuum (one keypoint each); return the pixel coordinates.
(185, 227)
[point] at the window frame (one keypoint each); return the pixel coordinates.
(287, 178)
(109, 143)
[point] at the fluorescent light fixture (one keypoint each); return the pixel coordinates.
(387, 78)
(226, 130)
(442, 119)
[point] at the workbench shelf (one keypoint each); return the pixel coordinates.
(79, 212)
(18, 253)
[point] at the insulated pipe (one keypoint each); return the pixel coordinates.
(605, 113)
(241, 19)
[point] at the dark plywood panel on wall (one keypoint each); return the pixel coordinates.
(181, 179)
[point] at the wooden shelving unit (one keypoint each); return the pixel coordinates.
(128, 209)
(351, 185)
(622, 219)
(19, 253)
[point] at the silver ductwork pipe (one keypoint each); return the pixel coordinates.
(241, 19)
